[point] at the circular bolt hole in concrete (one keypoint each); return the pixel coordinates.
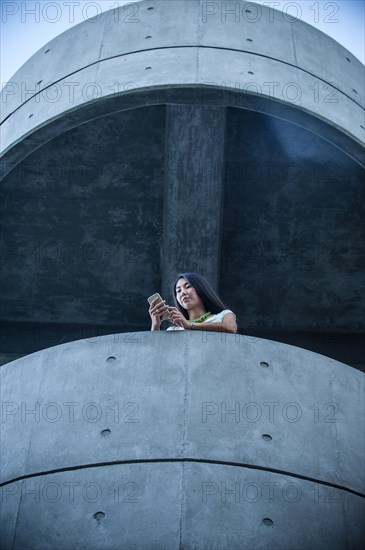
(264, 364)
(99, 515)
(267, 521)
(266, 437)
(106, 432)
(111, 359)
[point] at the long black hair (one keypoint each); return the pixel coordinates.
(208, 296)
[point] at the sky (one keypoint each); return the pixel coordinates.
(26, 26)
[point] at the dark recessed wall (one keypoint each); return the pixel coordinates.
(292, 254)
(83, 234)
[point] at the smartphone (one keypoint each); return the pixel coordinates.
(153, 297)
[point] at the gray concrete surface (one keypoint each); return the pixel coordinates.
(175, 505)
(172, 139)
(183, 418)
(193, 202)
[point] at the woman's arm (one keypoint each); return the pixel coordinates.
(227, 325)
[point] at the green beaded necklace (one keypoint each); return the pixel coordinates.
(202, 318)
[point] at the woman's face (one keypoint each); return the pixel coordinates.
(186, 295)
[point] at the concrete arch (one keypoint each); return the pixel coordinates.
(119, 51)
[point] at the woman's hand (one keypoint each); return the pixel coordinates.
(156, 310)
(178, 318)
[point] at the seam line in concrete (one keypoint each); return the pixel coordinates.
(192, 460)
(179, 47)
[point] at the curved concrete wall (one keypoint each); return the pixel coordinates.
(181, 440)
(123, 52)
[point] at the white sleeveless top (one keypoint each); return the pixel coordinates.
(216, 318)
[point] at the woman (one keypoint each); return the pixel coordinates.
(197, 307)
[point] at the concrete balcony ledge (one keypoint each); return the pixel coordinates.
(146, 396)
(160, 409)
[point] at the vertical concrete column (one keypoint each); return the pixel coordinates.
(193, 192)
